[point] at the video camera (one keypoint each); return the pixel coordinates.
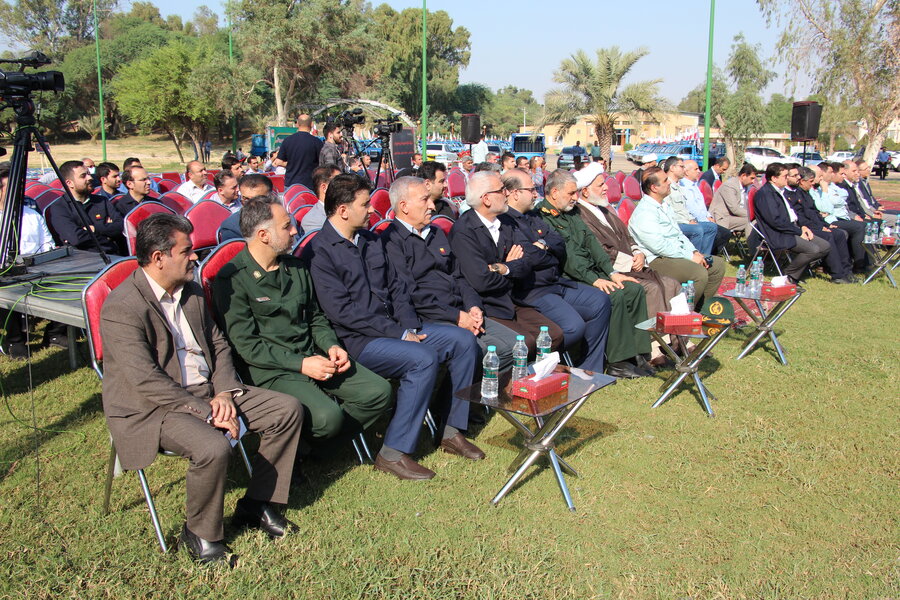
(349, 118)
(17, 84)
(385, 127)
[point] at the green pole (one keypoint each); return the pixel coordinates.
(424, 130)
(100, 83)
(709, 72)
(231, 62)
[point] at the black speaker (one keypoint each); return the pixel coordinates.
(471, 129)
(805, 121)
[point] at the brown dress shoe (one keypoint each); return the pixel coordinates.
(405, 468)
(460, 446)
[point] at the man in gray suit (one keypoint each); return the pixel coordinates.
(169, 383)
(729, 203)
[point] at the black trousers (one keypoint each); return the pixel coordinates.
(838, 259)
(856, 233)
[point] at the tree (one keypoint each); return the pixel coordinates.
(742, 116)
(854, 48)
(505, 110)
(595, 89)
(778, 114)
(51, 26)
(695, 100)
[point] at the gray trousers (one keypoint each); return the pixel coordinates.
(804, 252)
(276, 416)
(706, 281)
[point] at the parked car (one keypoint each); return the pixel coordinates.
(441, 152)
(762, 156)
(808, 158)
(840, 156)
(567, 156)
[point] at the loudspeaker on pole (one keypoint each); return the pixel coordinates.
(470, 128)
(805, 121)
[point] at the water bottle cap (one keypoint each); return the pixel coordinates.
(492, 348)
(690, 281)
(520, 338)
(544, 328)
(742, 266)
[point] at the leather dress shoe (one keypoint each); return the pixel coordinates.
(644, 365)
(405, 468)
(262, 515)
(203, 551)
(842, 280)
(623, 370)
(460, 446)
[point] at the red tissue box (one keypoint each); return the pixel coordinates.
(782, 292)
(534, 390)
(691, 323)
(888, 240)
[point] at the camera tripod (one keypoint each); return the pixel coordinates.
(11, 223)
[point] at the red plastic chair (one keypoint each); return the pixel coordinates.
(620, 176)
(138, 214)
(632, 189)
(35, 186)
(167, 185)
(56, 184)
(218, 258)
(173, 176)
(380, 226)
(301, 211)
(706, 191)
(206, 216)
(613, 190)
(307, 238)
(717, 185)
(391, 215)
(443, 222)
(210, 195)
(293, 191)
(626, 207)
(381, 201)
(456, 183)
(277, 182)
(45, 198)
(751, 214)
(177, 202)
(300, 199)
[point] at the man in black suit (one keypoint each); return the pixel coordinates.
(853, 177)
(714, 173)
(68, 219)
(778, 223)
(299, 154)
(838, 259)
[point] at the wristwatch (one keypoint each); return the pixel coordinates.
(494, 268)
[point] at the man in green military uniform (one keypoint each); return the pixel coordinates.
(273, 320)
(587, 262)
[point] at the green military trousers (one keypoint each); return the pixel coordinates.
(629, 307)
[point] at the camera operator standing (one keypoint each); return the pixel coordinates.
(331, 150)
(299, 154)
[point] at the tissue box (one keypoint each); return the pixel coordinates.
(534, 390)
(688, 324)
(888, 240)
(782, 292)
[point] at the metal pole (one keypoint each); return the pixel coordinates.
(100, 83)
(231, 62)
(424, 130)
(709, 72)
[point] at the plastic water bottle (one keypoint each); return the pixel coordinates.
(741, 288)
(868, 238)
(490, 368)
(755, 285)
(543, 342)
(690, 293)
(520, 359)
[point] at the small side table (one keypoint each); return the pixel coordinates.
(765, 323)
(550, 415)
(687, 363)
(886, 257)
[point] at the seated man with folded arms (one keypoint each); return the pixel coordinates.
(587, 262)
(668, 251)
(373, 315)
(491, 259)
(867, 198)
(267, 304)
(831, 201)
(169, 384)
(696, 206)
(779, 223)
(583, 312)
(729, 203)
(252, 185)
(421, 255)
(71, 222)
(838, 259)
(315, 218)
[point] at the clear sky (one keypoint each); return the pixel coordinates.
(522, 43)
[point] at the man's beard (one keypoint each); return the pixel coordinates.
(598, 200)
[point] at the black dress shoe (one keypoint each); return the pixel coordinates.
(644, 365)
(405, 468)
(841, 281)
(622, 370)
(203, 551)
(262, 515)
(460, 446)
(15, 350)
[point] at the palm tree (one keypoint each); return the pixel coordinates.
(595, 89)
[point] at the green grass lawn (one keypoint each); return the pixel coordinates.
(790, 492)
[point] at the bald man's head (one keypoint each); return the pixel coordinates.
(304, 122)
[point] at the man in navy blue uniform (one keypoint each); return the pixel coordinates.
(68, 219)
(779, 223)
(299, 154)
(491, 260)
(420, 253)
(373, 315)
(580, 310)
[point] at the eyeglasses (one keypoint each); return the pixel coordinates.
(500, 191)
(529, 190)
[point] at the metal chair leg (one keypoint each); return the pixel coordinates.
(365, 446)
(110, 473)
(359, 455)
(154, 517)
(246, 460)
(429, 421)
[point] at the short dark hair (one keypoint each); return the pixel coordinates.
(748, 169)
(806, 173)
(510, 181)
(507, 155)
(255, 212)
(67, 168)
(157, 232)
(256, 180)
(127, 174)
(104, 169)
(836, 166)
(792, 165)
(669, 163)
(342, 190)
(130, 161)
(430, 168)
(859, 161)
(228, 161)
(221, 176)
(328, 129)
(651, 178)
(323, 174)
(775, 169)
(722, 161)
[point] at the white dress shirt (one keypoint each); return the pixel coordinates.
(492, 227)
(192, 192)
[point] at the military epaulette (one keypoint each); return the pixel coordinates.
(550, 211)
